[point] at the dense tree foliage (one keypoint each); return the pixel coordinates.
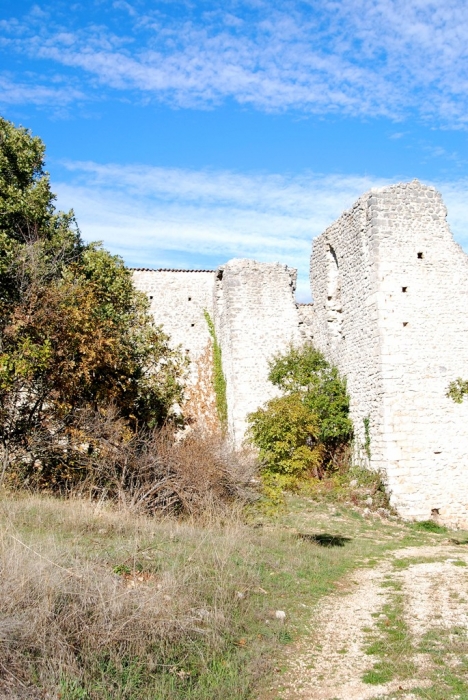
(305, 371)
(303, 432)
(75, 336)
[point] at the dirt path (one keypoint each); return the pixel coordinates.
(435, 596)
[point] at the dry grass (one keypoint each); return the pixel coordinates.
(69, 621)
(103, 603)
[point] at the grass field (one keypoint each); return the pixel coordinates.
(102, 604)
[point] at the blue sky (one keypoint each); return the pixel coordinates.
(187, 133)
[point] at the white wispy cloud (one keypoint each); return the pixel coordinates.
(13, 92)
(355, 57)
(167, 217)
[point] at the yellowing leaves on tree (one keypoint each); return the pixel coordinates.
(285, 432)
(300, 434)
(75, 335)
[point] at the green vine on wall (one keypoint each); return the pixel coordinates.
(366, 422)
(219, 380)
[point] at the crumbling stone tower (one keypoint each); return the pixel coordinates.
(390, 289)
(256, 317)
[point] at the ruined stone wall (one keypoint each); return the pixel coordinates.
(390, 288)
(178, 299)
(255, 314)
(306, 314)
(256, 317)
(345, 325)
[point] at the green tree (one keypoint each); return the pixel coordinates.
(303, 432)
(75, 335)
(28, 216)
(286, 433)
(305, 371)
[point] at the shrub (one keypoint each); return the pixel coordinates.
(286, 433)
(162, 470)
(457, 390)
(303, 433)
(306, 372)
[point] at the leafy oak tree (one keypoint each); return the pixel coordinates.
(75, 335)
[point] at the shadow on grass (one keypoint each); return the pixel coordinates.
(325, 540)
(462, 540)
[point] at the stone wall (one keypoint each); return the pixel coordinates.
(306, 314)
(391, 289)
(256, 317)
(178, 299)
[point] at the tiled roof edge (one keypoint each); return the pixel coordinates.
(163, 269)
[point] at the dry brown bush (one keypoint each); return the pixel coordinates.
(164, 470)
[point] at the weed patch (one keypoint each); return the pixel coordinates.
(430, 526)
(406, 562)
(447, 649)
(391, 643)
